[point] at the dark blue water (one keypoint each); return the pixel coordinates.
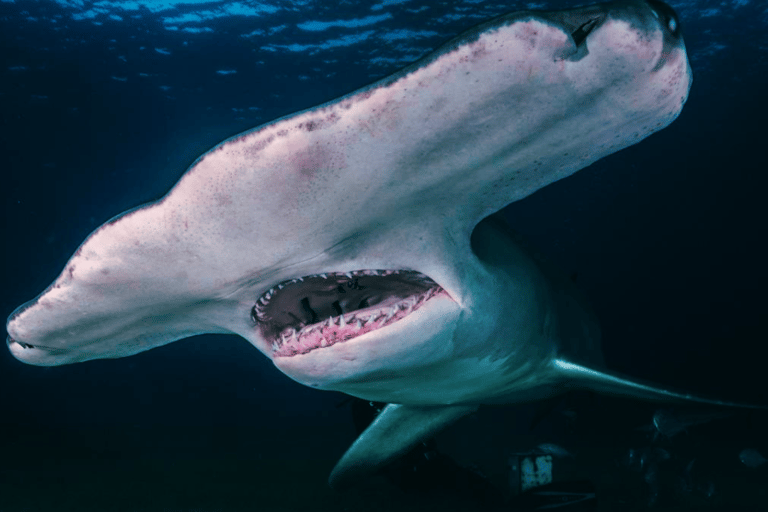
(105, 105)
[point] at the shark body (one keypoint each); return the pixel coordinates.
(354, 243)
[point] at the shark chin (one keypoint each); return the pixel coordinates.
(377, 362)
(357, 243)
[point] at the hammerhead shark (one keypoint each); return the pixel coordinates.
(355, 243)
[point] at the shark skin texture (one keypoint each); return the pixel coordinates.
(354, 243)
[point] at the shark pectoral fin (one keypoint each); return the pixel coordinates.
(583, 377)
(395, 431)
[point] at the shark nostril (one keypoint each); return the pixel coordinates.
(581, 33)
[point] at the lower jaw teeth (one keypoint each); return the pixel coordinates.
(291, 340)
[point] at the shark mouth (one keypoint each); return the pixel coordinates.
(318, 311)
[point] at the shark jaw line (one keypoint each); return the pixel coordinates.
(318, 311)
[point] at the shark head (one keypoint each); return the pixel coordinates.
(348, 243)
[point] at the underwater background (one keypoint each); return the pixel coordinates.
(104, 105)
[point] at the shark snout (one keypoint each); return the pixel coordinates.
(25, 341)
(36, 354)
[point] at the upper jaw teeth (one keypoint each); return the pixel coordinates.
(257, 311)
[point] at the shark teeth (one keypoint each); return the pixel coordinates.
(257, 312)
(320, 310)
(347, 326)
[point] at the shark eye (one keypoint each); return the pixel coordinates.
(320, 310)
(666, 16)
(672, 25)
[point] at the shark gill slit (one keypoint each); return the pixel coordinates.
(318, 311)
